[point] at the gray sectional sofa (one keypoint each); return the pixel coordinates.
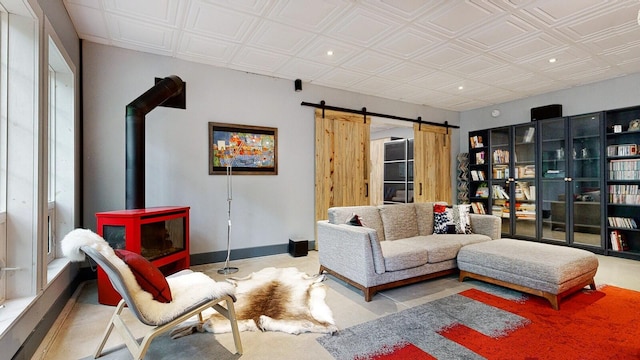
(396, 247)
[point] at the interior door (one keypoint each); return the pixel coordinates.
(432, 163)
(342, 160)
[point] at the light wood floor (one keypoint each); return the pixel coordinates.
(79, 327)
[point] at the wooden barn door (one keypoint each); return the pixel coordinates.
(432, 163)
(342, 161)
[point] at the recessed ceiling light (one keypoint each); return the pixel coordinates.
(552, 60)
(460, 87)
(330, 53)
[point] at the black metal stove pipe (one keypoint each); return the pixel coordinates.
(135, 153)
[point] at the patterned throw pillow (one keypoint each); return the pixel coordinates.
(447, 220)
(461, 219)
(442, 216)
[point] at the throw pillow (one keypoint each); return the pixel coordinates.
(147, 275)
(442, 216)
(461, 219)
(451, 219)
(355, 220)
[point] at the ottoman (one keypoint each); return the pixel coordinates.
(550, 271)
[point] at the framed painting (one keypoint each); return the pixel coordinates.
(246, 149)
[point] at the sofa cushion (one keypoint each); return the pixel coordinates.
(399, 221)
(368, 214)
(468, 239)
(400, 255)
(424, 218)
(439, 247)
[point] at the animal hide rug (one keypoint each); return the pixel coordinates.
(272, 299)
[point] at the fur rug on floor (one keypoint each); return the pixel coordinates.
(273, 299)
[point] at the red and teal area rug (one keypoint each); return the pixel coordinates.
(493, 323)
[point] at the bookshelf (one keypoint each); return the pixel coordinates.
(623, 182)
(479, 192)
(513, 178)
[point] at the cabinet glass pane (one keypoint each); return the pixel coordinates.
(585, 132)
(398, 193)
(395, 171)
(586, 212)
(410, 149)
(553, 185)
(524, 208)
(501, 204)
(524, 159)
(554, 209)
(394, 150)
(554, 149)
(587, 220)
(500, 153)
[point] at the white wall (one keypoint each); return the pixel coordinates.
(267, 210)
(605, 95)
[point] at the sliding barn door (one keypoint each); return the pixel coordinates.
(432, 163)
(342, 161)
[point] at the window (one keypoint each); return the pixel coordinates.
(37, 159)
(60, 145)
(3, 151)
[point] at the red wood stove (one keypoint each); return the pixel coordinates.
(160, 234)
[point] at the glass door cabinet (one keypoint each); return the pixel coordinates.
(570, 149)
(513, 172)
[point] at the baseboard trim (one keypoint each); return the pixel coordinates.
(247, 253)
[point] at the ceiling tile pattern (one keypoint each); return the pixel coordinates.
(451, 54)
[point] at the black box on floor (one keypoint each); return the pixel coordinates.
(298, 247)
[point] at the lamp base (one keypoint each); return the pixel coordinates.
(228, 270)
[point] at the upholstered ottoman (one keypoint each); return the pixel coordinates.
(550, 271)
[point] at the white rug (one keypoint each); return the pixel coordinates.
(273, 299)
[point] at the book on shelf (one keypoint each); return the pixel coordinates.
(618, 241)
(500, 172)
(501, 156)
(497, 211)
(624, 194)
(624, 169)
(528, 135)
(477, 175)
(622, 150)
(523, 191)
(499, 193)
(622, 222)
(527, 171)
(478, 208)
(476, 141)
(480, 158)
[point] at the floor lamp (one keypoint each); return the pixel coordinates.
(228, 269)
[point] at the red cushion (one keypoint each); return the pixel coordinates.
(147, 275)
(439, 208)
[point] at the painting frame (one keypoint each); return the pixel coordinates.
(246, 149)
